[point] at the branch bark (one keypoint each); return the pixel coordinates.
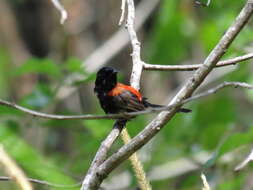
(89, 182)
(186, 91)
(101, 154)
(14, 171)
(41, 182)
(127, 114)
(227, 62)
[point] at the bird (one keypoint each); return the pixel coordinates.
(115, 97)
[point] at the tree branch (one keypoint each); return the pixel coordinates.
(135, 82)
(59, 7)
(123, 8)
(108, 49)
(127, 114)
(41, 182)
(101, 154)
(186, 91)
(227, 62)
(89, 182)
(14, 171)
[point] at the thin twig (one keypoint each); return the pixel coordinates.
(101, 154)
(245, 162)
(135, 82)
(227, 62)
(53, 116)
(205, 183)
(59, 6)
(136, 45)
(89, 182)
(14, 171)
(108, 49)
(203, 4)
(217, 88)
(41, 182)
(123, 8)
(126, 114)
(159, 122)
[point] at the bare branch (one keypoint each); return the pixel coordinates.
(14, 171)
(126, 114)
(101, 154)
(217, 88)
(136, 45)
(203, 4)
(159, 122)
(41, 182)
(59, 117)
(205, 183)
(227, 62)
(108, 50)
(245, 162)
(123, 8)
(64, 14)
(135, 82)
(90, 181)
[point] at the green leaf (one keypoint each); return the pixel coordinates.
(169, 39)
(99, 128)
(74, 65)
(39, 66)
(231, 143)
(33, 163)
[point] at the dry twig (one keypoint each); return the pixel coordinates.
(14, 171)
(205, 183)
(245, 162)
(41, 182)
(227, 62)
(64, 14)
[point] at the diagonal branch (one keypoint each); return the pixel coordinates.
(186, 91)
(102, 153)
(227, 62)
(14, 171)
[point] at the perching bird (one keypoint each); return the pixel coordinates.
(116, 97)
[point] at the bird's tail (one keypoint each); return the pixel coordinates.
(147, 104)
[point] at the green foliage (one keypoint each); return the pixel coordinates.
(99, 128)
(231, 143)
(31, 160)
(169, 34)
(55, 151)
(74, 65)
(38, 66)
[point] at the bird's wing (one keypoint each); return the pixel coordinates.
(128, 102)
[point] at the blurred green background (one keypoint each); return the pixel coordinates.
(37, 56)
